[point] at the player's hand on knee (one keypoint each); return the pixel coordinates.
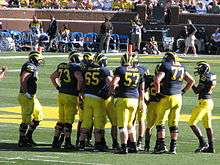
(28, 95)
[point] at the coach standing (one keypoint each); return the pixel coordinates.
(105, 35)
(52, 32)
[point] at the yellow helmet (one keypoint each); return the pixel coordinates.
(126, 59)
(35, 57)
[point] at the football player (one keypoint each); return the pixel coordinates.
(2, 72)
(152, 103)
(84, 63)
(28, 100)
(109, 102)
(127, 79)
(171, 74)
(96, 77)
(141, 113)
(68, 81)
(203, 110)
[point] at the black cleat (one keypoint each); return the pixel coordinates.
(122, 151)
(31, 142)
(172, 150)
(82, 146)
(23, 143)
(201, 147)
(115, 146)
(140, 146)
(89, 144)
(132, 148)
(100, 148)
(146, 149)
(160, 149)
(208, 150)
(69, 146)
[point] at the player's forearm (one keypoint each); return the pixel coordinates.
(55, 80)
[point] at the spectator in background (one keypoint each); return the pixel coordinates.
(190, 39)
(87, 4)
(72, 4)
(180, 40)
(36, 28)
(117, 5)
(136, 27)
(2, 72)
(55, 4)
(105, 35)
(215, 40)
(3, 3)
(201, 39)
(127, 5)
(107, 5)
(52, 31)
(215, 8)
(200, 8)
(98, 4)
(13, 3)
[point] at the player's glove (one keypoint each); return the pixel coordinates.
(4, 68)
(58, 88)
(28, 95)
(105, 92)
(158, 97)
(183, 91)
(81, 102)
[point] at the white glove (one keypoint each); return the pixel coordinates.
(28, 95)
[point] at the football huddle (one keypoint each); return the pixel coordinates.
(126, 96)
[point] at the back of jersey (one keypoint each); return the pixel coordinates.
(95, 79)
(206, 81)
(67, 79)
(32, 80)
(173, 80)
(130, 78)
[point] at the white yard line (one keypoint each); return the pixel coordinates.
(21, 57)
(11, 162)
(41, 156)
(51, 161)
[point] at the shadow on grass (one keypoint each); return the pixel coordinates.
(39, 148)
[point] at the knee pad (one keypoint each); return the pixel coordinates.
(131, 130)
(59, 126)
(174, 129)
(67, 127)
(123, 130)
(160, 128)
(23, 126)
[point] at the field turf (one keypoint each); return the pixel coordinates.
(43, 154)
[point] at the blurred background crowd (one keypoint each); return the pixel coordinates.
(193, 6)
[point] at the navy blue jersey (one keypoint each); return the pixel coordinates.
(32, 80)
(144, 71)
(68, 81)
(149, 84)
(205, 82)
(95, 79)
(130, 78)
(173, 80)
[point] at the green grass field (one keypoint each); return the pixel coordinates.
(43, 154)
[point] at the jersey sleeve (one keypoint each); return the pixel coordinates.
(105, 72)
(30, 68)
(117, 71)
(162, 68)
(148, 80)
